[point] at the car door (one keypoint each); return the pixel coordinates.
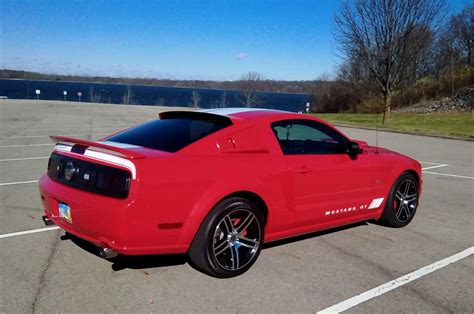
(328, 183)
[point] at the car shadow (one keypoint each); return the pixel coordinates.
(122, 262)
(312, 235)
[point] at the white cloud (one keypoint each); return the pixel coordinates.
(241, 55)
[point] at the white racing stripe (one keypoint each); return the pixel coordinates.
(14, 234)
(230, 111)
(376, 202)
(19, 182)
(109, 158)
(20, 159)
(434, 167)
(119, 145)
(400, 281)
(63, 148)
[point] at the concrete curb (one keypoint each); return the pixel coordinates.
(405, 132)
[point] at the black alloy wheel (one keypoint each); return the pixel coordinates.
(402, 202)
(229, 240)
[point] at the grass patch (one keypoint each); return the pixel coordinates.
(450, 124)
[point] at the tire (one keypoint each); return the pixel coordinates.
(402, 202)
(229, 240)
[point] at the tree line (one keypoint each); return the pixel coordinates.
(249, 85)
(396, 53)
(257, 81)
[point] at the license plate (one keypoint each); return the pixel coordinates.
(65, 212)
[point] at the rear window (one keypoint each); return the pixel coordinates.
(173, 132)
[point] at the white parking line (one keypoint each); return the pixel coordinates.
(434, 167)
(19, 159)
(96, 120)
(102, 127)
(14, 234)
(25, 145)
(430, 163)
(440, 165)
(375, 292)
(449, 175)
(73, 125)
(19, 182)
(31, 136)
(69, 130)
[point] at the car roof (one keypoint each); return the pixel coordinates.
(239, 115)
(249, 113)
(244, 114)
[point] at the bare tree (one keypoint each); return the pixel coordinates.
(249, 85)
(454, 46)
(195, 99)
(388, 36)
(462, 28)
(448, 55)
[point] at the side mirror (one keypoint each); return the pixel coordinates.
(353, 150)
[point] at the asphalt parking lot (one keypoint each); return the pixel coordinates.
(48, 272)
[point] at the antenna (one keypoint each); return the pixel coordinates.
(377, 130)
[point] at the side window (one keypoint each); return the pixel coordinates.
(308, 137)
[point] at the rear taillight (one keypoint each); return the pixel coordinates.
(55, 167)
(88, 176)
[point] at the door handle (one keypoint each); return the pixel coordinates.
(301, 169)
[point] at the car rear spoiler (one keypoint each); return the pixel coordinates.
(198, 115)
(97, 146)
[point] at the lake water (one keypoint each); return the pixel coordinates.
(145, 95)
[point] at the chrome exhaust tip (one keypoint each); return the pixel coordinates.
(107, 253)
(47, 221)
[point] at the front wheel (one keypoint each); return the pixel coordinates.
(402, 202)
(229, 240)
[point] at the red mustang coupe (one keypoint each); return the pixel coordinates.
(219, 183)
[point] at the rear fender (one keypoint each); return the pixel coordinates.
(274, 201)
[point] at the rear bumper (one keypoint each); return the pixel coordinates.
(104, 221)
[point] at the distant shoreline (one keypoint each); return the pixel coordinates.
(119, 93)
(126, 84)
(263, 85)
(9, 101)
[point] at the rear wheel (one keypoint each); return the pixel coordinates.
(229, 240)
(402, 202)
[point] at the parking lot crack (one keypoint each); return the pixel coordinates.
(42, 278)
(428, 299)
(386, 272)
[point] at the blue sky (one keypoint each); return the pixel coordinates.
(216, 40)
